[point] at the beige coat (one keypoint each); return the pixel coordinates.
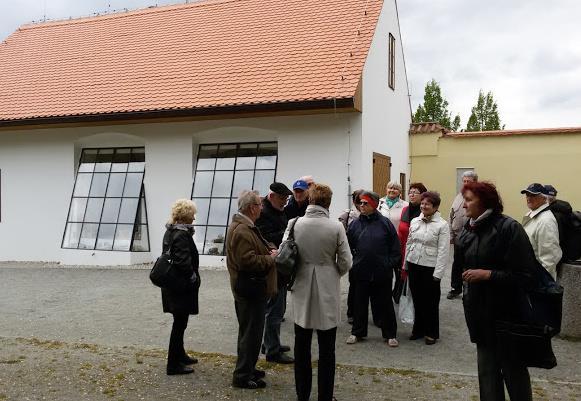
(324, 256)
(543, 232)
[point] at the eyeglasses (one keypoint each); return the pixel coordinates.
(413, 193)
(363, 203)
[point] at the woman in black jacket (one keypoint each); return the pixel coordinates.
(181, 300)
(497, 261)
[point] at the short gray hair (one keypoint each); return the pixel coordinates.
(395, 185)
(470, 174)
(246, 199)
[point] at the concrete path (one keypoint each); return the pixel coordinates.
(119, 307)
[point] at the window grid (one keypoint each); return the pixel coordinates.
(391, 79)
(135, 166)
(202, 235)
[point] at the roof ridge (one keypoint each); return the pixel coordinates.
(122, 14)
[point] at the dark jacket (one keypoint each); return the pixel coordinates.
(562, 211)
(186, 261)
(292, 208)
(375, 248)
(271, 223)
(499, 244)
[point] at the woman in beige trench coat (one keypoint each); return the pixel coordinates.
(324, 256)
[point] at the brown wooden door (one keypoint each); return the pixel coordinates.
(381, 172)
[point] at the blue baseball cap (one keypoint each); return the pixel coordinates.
(300, 184)
(551, 190)
(535, 189)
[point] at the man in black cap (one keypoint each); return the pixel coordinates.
(272, 224)
(542, 228)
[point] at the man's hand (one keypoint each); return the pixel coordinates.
(476, 275)
(273, 253)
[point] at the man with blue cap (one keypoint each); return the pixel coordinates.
(297, 205)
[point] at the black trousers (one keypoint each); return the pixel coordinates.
(379, 292)
(375, 306)
(426, 297)
(176, 351)
(456, 276)
(250, 315)
(303, 366)
(494, 368)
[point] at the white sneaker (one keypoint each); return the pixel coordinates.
(392, 342)
(351, 339)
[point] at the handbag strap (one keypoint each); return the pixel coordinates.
(169, 244)
(291, 233)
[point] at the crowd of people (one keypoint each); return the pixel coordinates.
(379, 242)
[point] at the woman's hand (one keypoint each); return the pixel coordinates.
(476, 275)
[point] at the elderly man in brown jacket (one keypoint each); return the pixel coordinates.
(250, 261)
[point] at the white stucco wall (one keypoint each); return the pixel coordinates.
(38, 173)
(386, 113)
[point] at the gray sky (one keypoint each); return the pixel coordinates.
(527, 52)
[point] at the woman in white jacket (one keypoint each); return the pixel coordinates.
(427, 253)
(324, 256)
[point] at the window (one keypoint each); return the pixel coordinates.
(459, 172)
(108, 210)
(222, 172)
(391, 78)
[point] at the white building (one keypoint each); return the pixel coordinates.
(105, 121)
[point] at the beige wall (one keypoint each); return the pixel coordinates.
(511, 162)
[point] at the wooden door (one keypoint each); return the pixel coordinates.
(381, 172)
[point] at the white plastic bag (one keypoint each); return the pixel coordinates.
(406, 305)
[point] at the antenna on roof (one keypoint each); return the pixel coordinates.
(44, 11)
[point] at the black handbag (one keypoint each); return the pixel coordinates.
(162, 273)
(288, 256)
(526, 343)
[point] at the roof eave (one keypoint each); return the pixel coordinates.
(238, 111)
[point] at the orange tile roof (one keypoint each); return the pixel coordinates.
(531, 131)
(427, 128)
(210, 54)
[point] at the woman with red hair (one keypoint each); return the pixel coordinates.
(496, 258)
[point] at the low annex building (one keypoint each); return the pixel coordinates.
(511, 159)
(105, 121)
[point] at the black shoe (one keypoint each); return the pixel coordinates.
(180, 370)
(188, 360)
(454, 294)
(259, 374)
(280, 358)
(249, 384)
(430, 341)
(284, 348)
(416, 337)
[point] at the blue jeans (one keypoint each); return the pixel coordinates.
(275, 308)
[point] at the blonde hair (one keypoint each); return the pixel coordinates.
(320, 195)
(183, 211)
(394, 185)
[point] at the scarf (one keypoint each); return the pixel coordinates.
(391, 202)
(189, 228)
(475, 222)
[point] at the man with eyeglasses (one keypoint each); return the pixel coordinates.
(297, 205)
(272, 224)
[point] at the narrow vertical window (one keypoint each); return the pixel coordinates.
(107, 210)
(222, 172)
(391, 78)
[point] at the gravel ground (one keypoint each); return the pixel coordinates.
(33, 369)
(70, 333)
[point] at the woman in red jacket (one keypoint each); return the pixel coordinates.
(408, 213)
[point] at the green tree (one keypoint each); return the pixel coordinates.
(435, 108)
(484, 115)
